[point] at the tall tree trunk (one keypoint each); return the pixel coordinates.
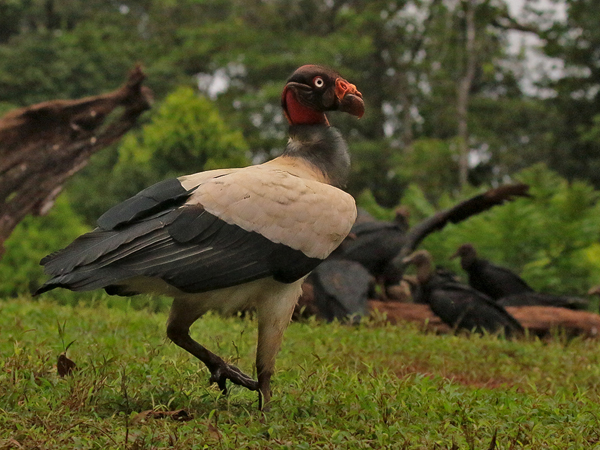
(464, 88)
(42, 145)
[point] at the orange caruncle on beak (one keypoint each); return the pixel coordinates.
(342, 87)
(350, 98)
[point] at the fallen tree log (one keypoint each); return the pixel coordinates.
(42, 145)
(542, 321)
(545, 320)
(398, 312)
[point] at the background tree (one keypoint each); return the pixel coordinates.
(574, 42)
(407, 56)
(185, 134)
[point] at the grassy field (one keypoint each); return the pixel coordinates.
(336, 387)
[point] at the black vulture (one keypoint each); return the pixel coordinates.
(506, 287)
(440, 273)
(459, 305)
(375, 243)
(486, 277)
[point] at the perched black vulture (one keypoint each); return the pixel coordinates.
(486, 277)
(341, 289)
(363, 216)
(506, 287)
(440, 273)
(459, 305)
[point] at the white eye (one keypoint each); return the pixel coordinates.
(318, 82)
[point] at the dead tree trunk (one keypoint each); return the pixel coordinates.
(42, 145)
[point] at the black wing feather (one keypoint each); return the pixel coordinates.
(187, 247)
(88, 247)
(456, 214)
(461, 306)
(495, 281)
(164, 195)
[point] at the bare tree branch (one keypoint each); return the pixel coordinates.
(507, 22)
(456, 214)
(42, 145)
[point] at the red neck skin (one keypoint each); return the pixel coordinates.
(298, 114)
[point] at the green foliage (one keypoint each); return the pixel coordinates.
(44, 65)
(406, 58)
(551, 239)
(185, 134)
(591, 134)
(372, 169)
(431, 164)
(335, 387)
(574, 40)
(367, 201)
(32, 239)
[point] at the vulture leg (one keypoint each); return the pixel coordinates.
(181, 318)
(274, 313)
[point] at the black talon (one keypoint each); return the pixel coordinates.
(260, 400)
(224, 371)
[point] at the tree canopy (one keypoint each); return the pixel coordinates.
(409, 57)
(450, 100)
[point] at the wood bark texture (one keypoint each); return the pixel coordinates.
(542, 321)
(42, 145)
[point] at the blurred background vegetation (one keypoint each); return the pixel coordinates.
(448, 85)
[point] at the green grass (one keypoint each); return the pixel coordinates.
(336, 387)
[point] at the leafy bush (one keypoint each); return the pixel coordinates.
(426, 157)
(185, 134)
(32, 239)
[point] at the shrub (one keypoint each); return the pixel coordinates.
(32, 239)
(185, 134)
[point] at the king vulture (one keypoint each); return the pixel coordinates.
(229, 239)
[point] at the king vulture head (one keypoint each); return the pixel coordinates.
(313, 90)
